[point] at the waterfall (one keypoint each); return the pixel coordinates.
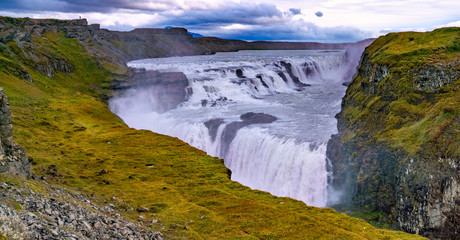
(268, 114)
(279, 166)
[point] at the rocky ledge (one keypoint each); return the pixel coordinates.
(166, 89)
(39, 216)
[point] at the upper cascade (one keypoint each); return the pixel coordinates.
(222, 81)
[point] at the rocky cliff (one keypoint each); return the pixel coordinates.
(397, 150)
(23, 30)
(166, 89)
(13, 159)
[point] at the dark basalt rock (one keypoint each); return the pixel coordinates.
(254, 118)
(212, 126)
(249, 118)
(429, 78)
(53, 65)
(259, 76)
(167, 89)
(311, 69)
(239, 73)
(296, 80)
(214, 102)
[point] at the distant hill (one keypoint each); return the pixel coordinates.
(191, 33)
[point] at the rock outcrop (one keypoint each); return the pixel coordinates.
(23, 30)
(52, 65)
(397, 152)
(166, 89)
(51, 217)
(13, 159)
(436, 76)
(249, 118)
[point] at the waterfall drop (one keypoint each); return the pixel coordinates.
(268, 114)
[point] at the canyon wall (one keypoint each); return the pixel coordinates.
(397, 151)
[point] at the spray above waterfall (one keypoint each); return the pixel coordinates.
(268, 114)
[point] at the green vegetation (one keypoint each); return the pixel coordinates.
(10, 20)
(374, 218)
(65, 126)
(422, 122)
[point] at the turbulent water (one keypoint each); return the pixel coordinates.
(282, 150)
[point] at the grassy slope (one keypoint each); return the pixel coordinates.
(62, 122)
(422, 123)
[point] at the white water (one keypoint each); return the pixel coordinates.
(286, 157)
(297, 170)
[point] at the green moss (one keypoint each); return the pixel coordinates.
(397, 113)
(377, 219)
(10, 20)
(396, 46)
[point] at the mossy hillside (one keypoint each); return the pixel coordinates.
(420, 122)
(72, 136)
(397, 148)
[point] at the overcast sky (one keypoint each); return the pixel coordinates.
(308, 20)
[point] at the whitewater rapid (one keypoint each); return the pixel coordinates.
(268, 114)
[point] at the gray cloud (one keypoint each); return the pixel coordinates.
(295, 11)
(107, 5)
(249, 14)
(88, 5)
(242, 9)
(37, 5)
(244, 20)
(319, 14)
(285, 31)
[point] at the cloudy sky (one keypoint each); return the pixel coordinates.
(307, 20)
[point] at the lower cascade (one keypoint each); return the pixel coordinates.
(268, 114)
(280, 166)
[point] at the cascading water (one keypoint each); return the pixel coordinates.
(268, 114)
(283, 167)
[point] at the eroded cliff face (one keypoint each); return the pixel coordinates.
(166, 90)
(13, 159)
(397, 151)
(23, 30)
